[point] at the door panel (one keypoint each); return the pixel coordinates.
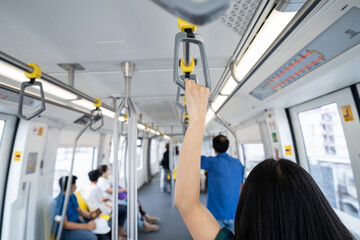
(7, 134)
(327, 131)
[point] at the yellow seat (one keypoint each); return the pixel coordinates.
(82, 205)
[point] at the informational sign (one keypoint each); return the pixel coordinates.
(288, 150)
(335, 40)
(40, 131)
(274, 137)
(17, 156)
(347, 113)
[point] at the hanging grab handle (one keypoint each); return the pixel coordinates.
(96, 115)
(36, 74)
(182, 37)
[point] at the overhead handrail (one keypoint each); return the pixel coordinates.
(128, 69)
(35, 74)
(96, 115)
(68, 185)
(46, 77)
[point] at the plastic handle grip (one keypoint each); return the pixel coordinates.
(96, 115)
(24, 85)
(182, 37)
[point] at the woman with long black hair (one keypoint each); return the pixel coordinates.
(279, 200)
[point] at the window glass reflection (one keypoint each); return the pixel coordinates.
(253, 154)
(328, 157)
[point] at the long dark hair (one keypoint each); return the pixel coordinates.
(281, 201)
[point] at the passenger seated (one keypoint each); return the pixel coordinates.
(74, 228)
(279, 200)
(145, 220)
(95, 200)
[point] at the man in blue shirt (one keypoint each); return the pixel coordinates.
(225, 178)
(74, 229)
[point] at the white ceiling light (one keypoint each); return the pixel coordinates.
(209, 116)
(167, 137)
(141, 126)
(107, 113)
(121, 119)
(16, 74)
(157, 133)
(84, 103)
(271, 29)
(229, 86)
(56, 91)
(219, 100)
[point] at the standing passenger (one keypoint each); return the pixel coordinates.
(225, 178)
(166, 166)
(279, 200)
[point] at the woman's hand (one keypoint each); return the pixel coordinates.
(197, 98)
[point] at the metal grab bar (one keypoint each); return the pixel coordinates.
(68, 185)
(25, 85)
(182, 37)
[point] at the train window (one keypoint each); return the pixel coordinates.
(85, 161)
(2, 127)
(328, 156)
(139, 154)
(154, 151)
(253, 154)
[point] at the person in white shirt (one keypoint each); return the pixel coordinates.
(146, 221)
(95, 199)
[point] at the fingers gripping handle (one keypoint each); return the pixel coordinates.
(182, 37)
(178, 94)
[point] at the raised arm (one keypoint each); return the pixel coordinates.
(201, 224)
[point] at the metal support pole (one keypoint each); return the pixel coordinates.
(187, 53)
(232, 131)
(132, 174)
(131, 164)
(172, 167)
(68, 185)
(115, 147)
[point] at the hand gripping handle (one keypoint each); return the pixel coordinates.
(182, 37)
(96, 115)
(182, 107)
(24, 85)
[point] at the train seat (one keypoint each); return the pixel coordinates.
(49, 213)
(83, 205)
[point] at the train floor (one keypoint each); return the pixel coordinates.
(159, 204)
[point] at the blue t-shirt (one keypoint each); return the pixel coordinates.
(72, 213)
(225, 175)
